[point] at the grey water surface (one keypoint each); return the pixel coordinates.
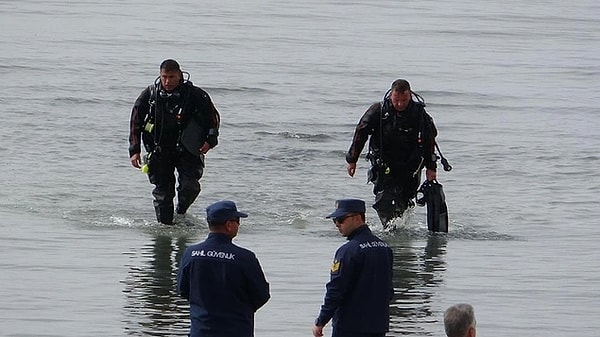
(512, 85)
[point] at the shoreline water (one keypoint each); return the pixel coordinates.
(510, 85)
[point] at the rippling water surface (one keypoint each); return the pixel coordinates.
(512, 86)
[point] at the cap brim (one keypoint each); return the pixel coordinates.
(242, 214)
(336, 214)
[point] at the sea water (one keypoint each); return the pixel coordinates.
(511, 85)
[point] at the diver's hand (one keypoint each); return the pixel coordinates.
(136, 160)
(205, 148)
(430, 175)
(351, 168)
(317, 331)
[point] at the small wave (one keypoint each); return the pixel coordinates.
(189, 227)
(405, 228)
(319, 137)
(237, 90)
(72, 100)
(19, 68)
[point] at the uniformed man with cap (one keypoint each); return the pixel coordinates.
(223, 282)
(360, 287)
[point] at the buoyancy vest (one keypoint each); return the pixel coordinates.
(402, 138)
(167, 116)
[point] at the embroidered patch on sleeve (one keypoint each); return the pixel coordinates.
(335, 266)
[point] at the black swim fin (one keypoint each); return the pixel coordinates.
(437, 210)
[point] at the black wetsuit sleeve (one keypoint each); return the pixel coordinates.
(214, 122)
(211, 119)
(365, 127)
(430, 131)
(139, 112)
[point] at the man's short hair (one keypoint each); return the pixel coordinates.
(170, 65)
(458, 319)
(400, 85)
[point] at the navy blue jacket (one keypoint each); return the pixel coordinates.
(360, 288)
(224, 284)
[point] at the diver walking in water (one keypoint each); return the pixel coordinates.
(402, 143)
(178, 124)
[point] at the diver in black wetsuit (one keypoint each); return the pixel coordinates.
(178, 124)
(402, 142)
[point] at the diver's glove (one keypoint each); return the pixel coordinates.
(212, 139)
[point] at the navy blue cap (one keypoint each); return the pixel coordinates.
(347, 206)
(222, 211)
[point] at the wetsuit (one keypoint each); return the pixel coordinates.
(400, 144)
(224, 284)
(160, 120)
(360, 287)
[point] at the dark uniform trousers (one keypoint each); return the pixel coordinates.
(189, 168)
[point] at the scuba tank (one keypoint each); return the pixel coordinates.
(431, 193)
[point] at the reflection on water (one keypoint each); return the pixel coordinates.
(418, 271)
(153, 307)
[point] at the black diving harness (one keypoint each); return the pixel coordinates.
(156, 90)
(376, 156)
